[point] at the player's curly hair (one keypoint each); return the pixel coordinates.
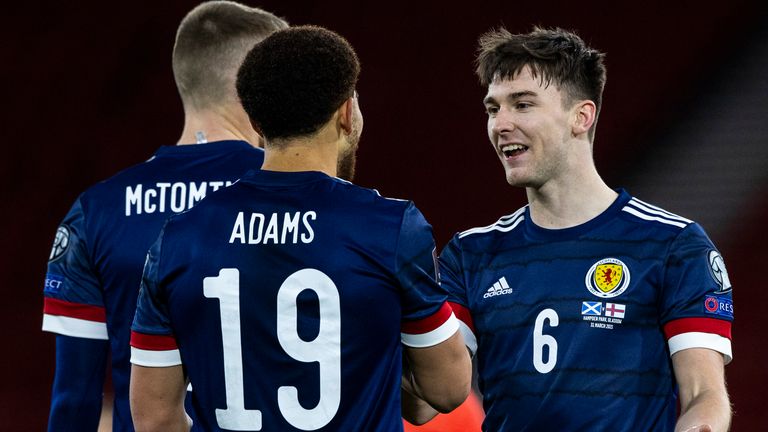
(554, 55)
(291, 83)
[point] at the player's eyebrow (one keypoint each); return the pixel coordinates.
(512, 96)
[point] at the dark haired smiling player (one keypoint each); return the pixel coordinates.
(290, 298)
(95, 265)
(587, 309)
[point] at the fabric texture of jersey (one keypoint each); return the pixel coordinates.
(573, 329)
(290, 308)
(96, 262)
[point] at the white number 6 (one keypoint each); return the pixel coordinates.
(540, 340)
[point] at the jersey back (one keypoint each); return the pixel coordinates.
(288, 296)
(95, 266)
(573, 328)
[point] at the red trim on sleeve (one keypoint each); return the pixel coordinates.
(702, 325)
(462, 313)
(153, 342)
(52, 306)
(426, 325)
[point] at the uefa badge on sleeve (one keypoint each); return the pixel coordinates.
(607, 278)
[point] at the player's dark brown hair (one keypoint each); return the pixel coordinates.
(211, 42)
(554, 55)
(291, 83)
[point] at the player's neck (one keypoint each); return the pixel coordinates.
(217, 124)
(570, 200)
(319, 152)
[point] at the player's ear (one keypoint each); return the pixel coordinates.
(257, 128)
(345, 113)
(584, 116)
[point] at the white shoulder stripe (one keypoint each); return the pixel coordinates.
(75, 327)
(656, 210)
(633, 211)
(504, 224)
(151, 358)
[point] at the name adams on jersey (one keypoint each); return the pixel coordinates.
(259, 230)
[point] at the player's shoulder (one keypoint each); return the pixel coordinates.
(653, 217)
(169, 161)
(369, 204)
(502, 226)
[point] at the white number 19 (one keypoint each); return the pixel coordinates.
(324, 349)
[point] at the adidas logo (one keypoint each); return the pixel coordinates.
(500, 287)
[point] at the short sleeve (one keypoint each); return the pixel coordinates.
(697, 302)
(152, 340)
(73, 298)
(452, 280)
(427, 317)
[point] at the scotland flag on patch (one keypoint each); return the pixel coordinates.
(591, 308)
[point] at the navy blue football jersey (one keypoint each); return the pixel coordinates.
(97, 258)
(287, 298)
(573, 329)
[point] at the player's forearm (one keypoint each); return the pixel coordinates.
(157, 399)
(415, 410)
(71, 411)
(709, 408)
(442, 374)
(76, 397)
(152, 421)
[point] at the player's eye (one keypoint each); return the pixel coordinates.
(491, 109)
(523, 105)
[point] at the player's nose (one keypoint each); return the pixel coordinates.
(504, 122)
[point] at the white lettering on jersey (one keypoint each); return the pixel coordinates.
(163, 196)
(277, 228)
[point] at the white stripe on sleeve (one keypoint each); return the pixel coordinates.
(434, 337)
(75, 327)
(151, 358)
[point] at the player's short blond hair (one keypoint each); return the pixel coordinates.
(211, 43)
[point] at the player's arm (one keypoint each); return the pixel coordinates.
(414, 409)
(78, 383)
(440, 375)
(437, 369)
(74, 310)
(157, 399)
(158, 385)
(704, 404)
(698, 305)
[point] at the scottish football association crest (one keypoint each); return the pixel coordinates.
(607, 278)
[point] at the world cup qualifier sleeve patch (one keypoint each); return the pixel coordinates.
(60, 243)
(718, 305)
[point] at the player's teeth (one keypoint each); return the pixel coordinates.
(511, 148)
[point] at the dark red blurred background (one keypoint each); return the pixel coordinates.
(88, 90)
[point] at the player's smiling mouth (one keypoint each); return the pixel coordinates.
(512, 150)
